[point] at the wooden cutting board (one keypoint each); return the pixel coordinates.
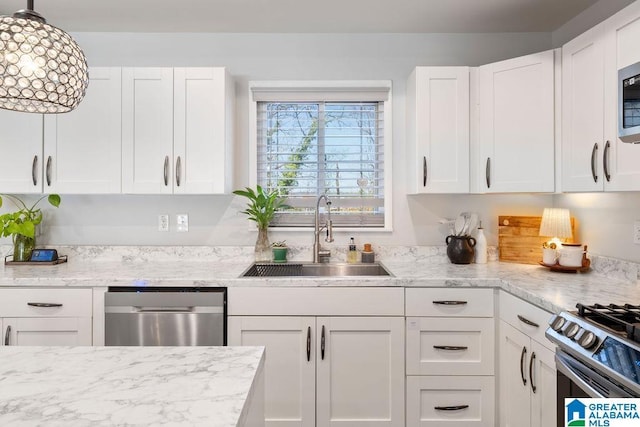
(518, 239)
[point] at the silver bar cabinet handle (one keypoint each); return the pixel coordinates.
(178, 170)
(523, 355)
(605, 161)
(34, 170)
(527, 321)
(48, 171)
(531, 363)
(594, 151)
(44, 304)
(487, 172)
(424, 171)
(166, 170)
(7, 335)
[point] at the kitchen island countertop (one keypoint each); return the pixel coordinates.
(108, 386)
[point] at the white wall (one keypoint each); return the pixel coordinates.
(215, 220)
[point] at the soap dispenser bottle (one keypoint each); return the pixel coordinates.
(481, 246)
(352, 254)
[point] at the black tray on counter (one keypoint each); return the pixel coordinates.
(61, 259)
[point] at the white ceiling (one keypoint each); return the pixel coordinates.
(305, 16)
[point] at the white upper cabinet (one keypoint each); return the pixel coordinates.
(593, 157)
(147, 130)
(176, 130)
(516, 124)
(583, 112)
(82, 148)
(21, 147)
(438, 129)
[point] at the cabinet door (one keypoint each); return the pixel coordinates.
(289, 365)
(21, 145)
(438, 129)
(582, 112)
(83, 148)
(543, 378)
(147, 130)
(360, 371)
(517, 124)
(622, 33)
(48, 331)
(200, 130)
(515, 401)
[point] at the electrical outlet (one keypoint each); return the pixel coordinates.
(182, 222)
(636, 232)
(163, 222)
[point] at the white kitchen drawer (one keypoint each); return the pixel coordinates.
(427, 393)
(525, 317)
(457, 302)
(453, 346)
(53, 302)
(273, 301)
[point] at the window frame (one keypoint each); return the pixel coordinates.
(323, 90)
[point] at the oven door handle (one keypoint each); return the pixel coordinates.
(568, 372)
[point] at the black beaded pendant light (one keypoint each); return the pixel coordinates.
(42, 69)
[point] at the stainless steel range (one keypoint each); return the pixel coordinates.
(598, 351)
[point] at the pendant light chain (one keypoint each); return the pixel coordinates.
(42, 69)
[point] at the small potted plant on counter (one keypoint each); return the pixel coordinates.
(279, 250)
(261, 208)
(21, 224)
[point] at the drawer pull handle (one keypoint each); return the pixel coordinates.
(424, 171)
(527, 321)
(450, 347)
(322, 344)
(34, 170)
(450, 408)
(44, 304)
(48, 171)
(523, 355)
(594, 152)
(450, 302)
(7, 335)
(605, 161)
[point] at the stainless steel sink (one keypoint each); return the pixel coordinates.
(315, 270)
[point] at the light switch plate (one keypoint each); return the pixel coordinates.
(163, 222)
(636, 232)
(182, 222)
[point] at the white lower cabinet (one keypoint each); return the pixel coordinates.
(46, 316)
(459, 401)
(450, 357)
(527, 368)
(324, 370)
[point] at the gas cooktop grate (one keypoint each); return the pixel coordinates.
(624, 319)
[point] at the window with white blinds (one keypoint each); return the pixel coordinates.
(311, 143)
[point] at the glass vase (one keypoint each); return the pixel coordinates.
(22, 247)
(263, 247)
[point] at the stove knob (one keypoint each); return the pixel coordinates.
(587, 339)
(556, 323)
(570, 330)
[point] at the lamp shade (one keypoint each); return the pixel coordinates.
(42, 69)
(556, 222)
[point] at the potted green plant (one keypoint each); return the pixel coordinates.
(279, 250)
(21, 224)
(261, 208)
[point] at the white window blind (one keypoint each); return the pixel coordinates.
(307, 147)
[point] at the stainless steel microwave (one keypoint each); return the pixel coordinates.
(629, 103)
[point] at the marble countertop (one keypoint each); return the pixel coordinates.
(549, 290)
(105, 386)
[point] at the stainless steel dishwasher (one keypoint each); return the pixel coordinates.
(165, 316)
